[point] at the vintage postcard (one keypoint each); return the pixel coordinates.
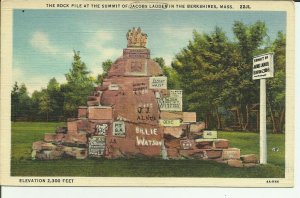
(139, 93)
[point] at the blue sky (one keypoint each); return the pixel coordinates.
(43, 40)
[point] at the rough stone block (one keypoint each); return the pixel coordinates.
(196, 135)
(213, 154)
(222, 143)
(249, 165)
(59, 137)
(235, 163)
(82, 112)
(231, 153)
(37, 145)
(72, 126)
(93, 103)
(75, 139)
(166, 115)
(204, 144)
(100, 113)
(176, 132)
(197, 127)
(49, 137)
(172, 153)
(80, 153)
(175, 143)
(48, 146)
(61, 130)
(250, 158)
(49, 155)
(189, 117)
(190, 154)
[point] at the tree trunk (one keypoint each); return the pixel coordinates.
(272, 117)
(282, 120)
(218, 119)
(239, 118)
(245, 125)
(206, 121)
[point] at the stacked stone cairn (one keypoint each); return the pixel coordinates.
(133, 114)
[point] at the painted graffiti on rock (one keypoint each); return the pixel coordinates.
(143, 137)
(96, 146)
(139, 88)
(101, 129)
(172, 102)
(145, 112)
(186, 144)
(119, 128)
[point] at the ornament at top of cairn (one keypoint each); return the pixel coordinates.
(136, 38)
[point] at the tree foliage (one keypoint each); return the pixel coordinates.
(170, 73)
(79, 85)
(105, 67)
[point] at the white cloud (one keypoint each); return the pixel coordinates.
(99, 42)
(181, 33)
(41, 42)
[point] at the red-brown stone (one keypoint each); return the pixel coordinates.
(82, 112)
(213, 154)
(49, 137)
(175, 143)
(72, 126)
(37, 145)
(172, 153)
(100, 113)
(223, 144)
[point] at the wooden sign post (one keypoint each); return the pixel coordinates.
(262, 69)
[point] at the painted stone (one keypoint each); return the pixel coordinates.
(210, 135)
(231, 153)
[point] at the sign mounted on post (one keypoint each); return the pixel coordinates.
(263, 66)
(262, 69)
(158, 82)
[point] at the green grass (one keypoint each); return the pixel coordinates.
(24, 133)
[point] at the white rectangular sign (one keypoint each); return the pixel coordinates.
(158, 82)
(171, 103)
(263, 66)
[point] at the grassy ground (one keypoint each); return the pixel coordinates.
(23, 134)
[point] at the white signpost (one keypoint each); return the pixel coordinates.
(263, 68)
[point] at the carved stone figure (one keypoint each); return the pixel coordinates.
(136, 38)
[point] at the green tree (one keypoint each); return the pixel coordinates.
(276, 86)
(250, 40)
(79, 85)
(105, 67)
(20, 103)
(170, 73)
(56, 98)
(14, 101)
(45, 105)
(204, 68)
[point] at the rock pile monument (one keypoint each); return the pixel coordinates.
(133, 114)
